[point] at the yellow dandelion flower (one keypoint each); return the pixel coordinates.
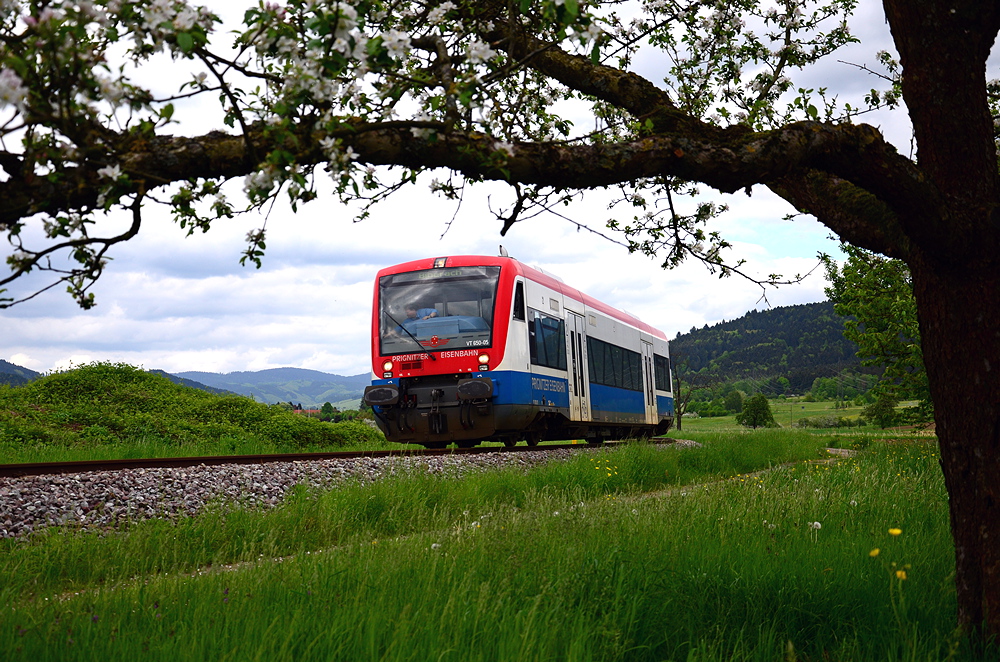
(901, 574)
(874, 552)
(895, 532)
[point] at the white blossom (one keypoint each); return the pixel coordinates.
(592, 32)
(12, 90)
(185, 19)
(260, 182)
(111, 90)
(112, 172)
(478, 51)
(396, 42)
(436, 15)
(347, 20)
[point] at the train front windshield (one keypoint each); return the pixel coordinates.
(437, 309)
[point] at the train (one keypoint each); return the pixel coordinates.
(471, 348)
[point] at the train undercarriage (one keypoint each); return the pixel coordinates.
(440, 410)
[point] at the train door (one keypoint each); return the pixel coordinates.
(579, 405)
(647, 378)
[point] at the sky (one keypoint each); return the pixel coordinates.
(177, 303)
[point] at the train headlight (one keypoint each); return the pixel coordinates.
(387, 365)
(484, 358)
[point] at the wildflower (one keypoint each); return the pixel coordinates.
(901, 574)
(853, 502)
(895, 532)
(874, 552)
(436, 545)
(815, 526)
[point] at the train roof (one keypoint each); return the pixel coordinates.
(532, 273)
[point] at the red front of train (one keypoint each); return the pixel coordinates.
(439, 326)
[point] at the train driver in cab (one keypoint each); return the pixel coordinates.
(413, 313)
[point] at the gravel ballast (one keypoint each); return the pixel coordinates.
(102, 499)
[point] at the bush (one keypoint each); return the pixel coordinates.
(829, 422)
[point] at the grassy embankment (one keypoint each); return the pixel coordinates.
(105, 411)
(630, 554)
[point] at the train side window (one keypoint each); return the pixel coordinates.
(661, 366)
(519, 301)
(612, 365)
(546, 340)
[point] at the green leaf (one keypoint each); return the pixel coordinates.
(19, 66)
(185, 41)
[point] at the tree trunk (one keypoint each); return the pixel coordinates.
(960, 335)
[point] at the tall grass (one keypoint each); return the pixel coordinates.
(611, 556)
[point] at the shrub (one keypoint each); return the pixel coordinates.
(829, 422)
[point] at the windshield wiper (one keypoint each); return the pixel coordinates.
(407, 331)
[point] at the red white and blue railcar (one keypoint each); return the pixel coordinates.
(471, 348)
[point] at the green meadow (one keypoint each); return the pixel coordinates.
(751, 546)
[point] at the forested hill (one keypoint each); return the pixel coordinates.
(797, 343)
(15, 375)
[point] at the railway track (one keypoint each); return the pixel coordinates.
(57, 468)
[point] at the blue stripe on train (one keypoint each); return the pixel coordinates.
(513, 387)
(618, 400)
(664, 406)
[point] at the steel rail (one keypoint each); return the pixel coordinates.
(56, 468)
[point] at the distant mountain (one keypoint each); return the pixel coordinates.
(798, 343)
(191, 383)
(15, 375)
(310, 388)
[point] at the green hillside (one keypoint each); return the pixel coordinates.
(106, 404)
(779, 351)
(15, 375)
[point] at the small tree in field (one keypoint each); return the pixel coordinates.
(756, 413)
(734, 401)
